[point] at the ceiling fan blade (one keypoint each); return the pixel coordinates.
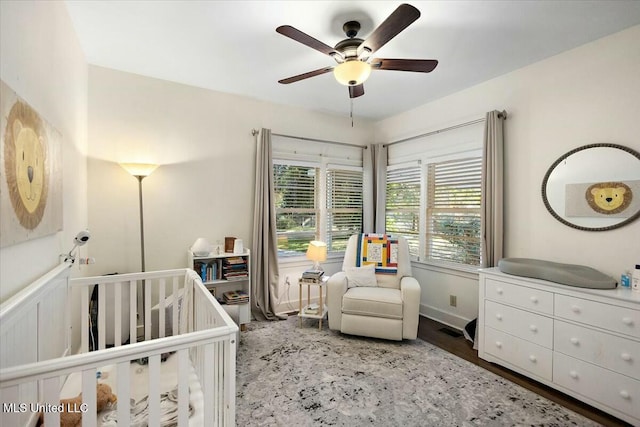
(356, 91)
(400, 19)
(305, 75)
(307, 40)
(417, 65)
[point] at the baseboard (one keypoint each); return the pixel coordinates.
(446, 318)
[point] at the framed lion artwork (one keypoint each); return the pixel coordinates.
(30, 171)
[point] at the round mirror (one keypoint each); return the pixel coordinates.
(595, 187)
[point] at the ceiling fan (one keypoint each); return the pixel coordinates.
(353, 55)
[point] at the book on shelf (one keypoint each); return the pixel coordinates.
(235, 268)
(235, 297)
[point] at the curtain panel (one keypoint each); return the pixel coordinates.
(264, 256)
(492, 188)
(374, 162)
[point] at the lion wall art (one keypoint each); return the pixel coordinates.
(31, 187)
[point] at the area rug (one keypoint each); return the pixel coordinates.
(300, 376)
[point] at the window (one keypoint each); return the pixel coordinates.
(403, 205)
(344, 207)
(316, 202)
(454, 193)
(296, 207)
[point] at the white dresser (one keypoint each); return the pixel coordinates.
(583, 342)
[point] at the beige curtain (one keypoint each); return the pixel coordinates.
(492, 188)
(374, 162)
(264, 256)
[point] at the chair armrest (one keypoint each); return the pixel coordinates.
(410, 289)
(336, 288)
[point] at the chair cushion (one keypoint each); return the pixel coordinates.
(361, 276)
(373, 302)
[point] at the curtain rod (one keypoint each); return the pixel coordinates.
(502, 114)
(255, 132)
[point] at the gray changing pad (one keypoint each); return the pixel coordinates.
(567, 274)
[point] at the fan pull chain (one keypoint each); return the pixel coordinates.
(351, 111)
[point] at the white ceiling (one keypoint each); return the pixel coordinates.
(232, 46)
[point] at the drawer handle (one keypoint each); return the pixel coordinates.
(573, 374)
(627, 321)
(499, 316)
(626, 357)
(533, 358)
(625, 394)
(534, 299)
(499, 291)
(575, 341)
(533, 328)
(575, 309)
(498, 344)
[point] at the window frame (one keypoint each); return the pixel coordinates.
(428, 206)
(454, 145)
(322, 165)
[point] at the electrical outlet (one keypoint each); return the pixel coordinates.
(453, 300)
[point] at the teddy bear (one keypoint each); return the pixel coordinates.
(71, 414)
(609, 197)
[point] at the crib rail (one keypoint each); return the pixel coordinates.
(202, 336)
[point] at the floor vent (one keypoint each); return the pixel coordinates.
(450, 332)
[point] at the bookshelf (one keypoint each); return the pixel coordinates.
(227, 273)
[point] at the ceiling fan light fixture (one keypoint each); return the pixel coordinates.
(352, 73)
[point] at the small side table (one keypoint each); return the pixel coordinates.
(321, 306)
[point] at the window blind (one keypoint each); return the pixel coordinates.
(402, 207)
(344, 207)
(296, 207)
(454, 192)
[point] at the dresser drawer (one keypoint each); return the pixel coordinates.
(609, 388)
(526, 355)
(601, 315)
(523, 324)
(609, 351)
(521, 296)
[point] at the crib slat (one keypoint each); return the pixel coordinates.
(175, 320)
(207, 381)
(51, 396)
(229, 378)
(124, 393)
(84, 319)
(183, 387)
(102, 315)
(133, 310)
(218, 376)
(89, 419)
(11, 395)
(147, 309)
(154, 390)
(117, 298)
(161, 305)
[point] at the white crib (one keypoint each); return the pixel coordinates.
(36, 358)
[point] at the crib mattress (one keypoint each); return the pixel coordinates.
(138, 375)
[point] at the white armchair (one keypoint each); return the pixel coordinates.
(389, 309)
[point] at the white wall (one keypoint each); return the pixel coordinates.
(204, 186)
(587, 95)
(41, 59)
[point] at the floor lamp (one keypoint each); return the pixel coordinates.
(140, 171)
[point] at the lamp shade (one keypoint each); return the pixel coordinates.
(317, 251)
(352, 73)
(139, 169)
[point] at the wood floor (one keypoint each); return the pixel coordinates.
(439, 335)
